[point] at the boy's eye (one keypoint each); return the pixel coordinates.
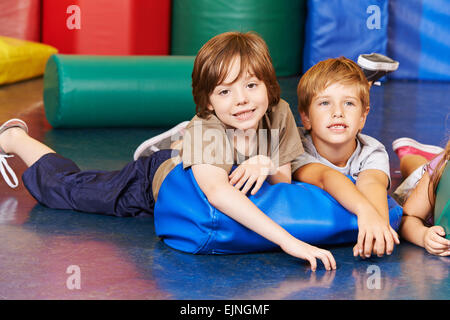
(349, 103)
(324, 103)
(224, 92)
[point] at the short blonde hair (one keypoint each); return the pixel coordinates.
(214, 59)
(320, 76)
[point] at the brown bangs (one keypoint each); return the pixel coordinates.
(215, 58)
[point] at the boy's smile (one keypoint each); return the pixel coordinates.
(240, 101)
(338, 127)
(335, 118)
(245, 114)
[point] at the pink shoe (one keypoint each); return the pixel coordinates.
(404, 146)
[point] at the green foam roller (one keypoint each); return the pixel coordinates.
(112, 91)
(280, 23)
(442, 205)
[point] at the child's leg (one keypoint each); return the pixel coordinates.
(405, 147)
(58, 183)
(413, 156)
(410, 162)
(17, 141)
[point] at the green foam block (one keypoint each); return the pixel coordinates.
(442, 206)
(112, 91)
(280, 23)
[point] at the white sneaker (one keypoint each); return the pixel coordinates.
(5, 169)
(376, 65)
(161, 141)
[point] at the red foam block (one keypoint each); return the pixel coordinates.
(21, 19)
(104, 27)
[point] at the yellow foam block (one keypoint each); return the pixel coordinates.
(20, 59)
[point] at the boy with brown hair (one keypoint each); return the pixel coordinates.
(333, 102)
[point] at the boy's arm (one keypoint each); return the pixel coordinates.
(213, 181)
(254, 171)
(371, 226)
(373, 185)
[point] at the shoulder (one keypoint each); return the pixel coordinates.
(203, 129)
(212, 121)
(371, 151)
(205, 142)
(282, 108)
(281, 117)
(370, 144)
(303, 132)
(280, 112)
(372, 155)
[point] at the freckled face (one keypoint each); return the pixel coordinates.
(240, 103)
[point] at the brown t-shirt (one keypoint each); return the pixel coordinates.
(209, 141)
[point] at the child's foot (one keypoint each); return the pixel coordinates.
(404, 146)
(160, 142)
(5, 169)
(376, 65)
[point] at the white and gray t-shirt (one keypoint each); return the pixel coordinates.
(369, 154)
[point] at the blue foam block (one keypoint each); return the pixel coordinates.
(344, 28)
(186, 221)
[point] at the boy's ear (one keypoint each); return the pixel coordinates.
(364, 118)
(305, 120)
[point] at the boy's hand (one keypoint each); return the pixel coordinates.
(253, 171)
(302, 250)
(435, 243)
(374, 236)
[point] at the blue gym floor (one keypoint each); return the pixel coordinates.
(121, 258)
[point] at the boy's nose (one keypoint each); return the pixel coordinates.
(338, 112)
(241, 98)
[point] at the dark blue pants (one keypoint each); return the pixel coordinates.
(58, 183)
